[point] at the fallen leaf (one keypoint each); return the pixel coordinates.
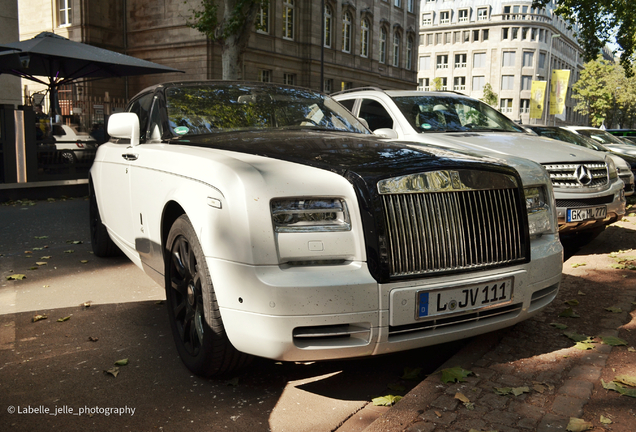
(619, 388)
(28, 252)
(569, 313)
(613, 341)
(93, 339)
(37, 318)
(626, 379)
(40, 237)
(87, 304)
(578, 265)
(438, 414)
(605, 420)
(388, 400)
(41, 263)
(64, 319)
(456, 374)
(114, 371)
(614, 309)
(412, 374)
(122, 362)
(69, 251)
(462, 397)
(581, 293)
(572, 302)
(84, 261)
(74, 242)
(48, 257)
(559, 326)
(578, 425)
(16, 277)
(33, 268)
(584, 346)
(575, 336)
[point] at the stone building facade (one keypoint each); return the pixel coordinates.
(367, 42)
(507, 44)
(9, 85)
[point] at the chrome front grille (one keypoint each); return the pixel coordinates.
(581, 175)
(452, 230)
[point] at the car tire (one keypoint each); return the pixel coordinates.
(68, 157)
(198, 330)
(101, 242)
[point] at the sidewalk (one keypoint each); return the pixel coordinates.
(555, 381)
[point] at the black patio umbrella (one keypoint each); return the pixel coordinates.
(62, 61)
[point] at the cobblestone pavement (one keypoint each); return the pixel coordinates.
(556, 382)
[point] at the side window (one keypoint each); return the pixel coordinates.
(348, 104)
(375, 114)
(141, 107)
(157, 123)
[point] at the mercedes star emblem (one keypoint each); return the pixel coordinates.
(583, 175)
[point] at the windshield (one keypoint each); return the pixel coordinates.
(600, 136)
(567, 136)
(452, 114)
(211, 108)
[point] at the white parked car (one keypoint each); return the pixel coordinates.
(281, 228)
(73, 145)
(589, 194)
(605, 138)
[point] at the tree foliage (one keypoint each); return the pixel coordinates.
(230, 23)
(489, 97)
(598, 20)
(606, 94)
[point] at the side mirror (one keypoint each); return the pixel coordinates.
(363, 121)
(385, 133)
(124, 125)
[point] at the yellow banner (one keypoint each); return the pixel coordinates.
(537, 99)
(559, 90)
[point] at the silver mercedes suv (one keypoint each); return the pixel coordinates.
(589, 194)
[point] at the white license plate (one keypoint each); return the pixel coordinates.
(582, 214)
(465, 298)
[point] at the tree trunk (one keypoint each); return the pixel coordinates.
(234, 45)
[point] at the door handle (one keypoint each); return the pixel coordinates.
(130, 156)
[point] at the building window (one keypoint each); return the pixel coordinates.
(423, 84)
(397, 3)
(327, 23)
(515, 33)
(508, 58)
(396, 49)
(447, 37)
(65, 12)
(524, 108)
(526, 82)
(288, 19)
(328, 85)
(482, 14)
(265, 75)
(427, 19)
(528, 59)
(505, 106)
(462, 16)
(382, 45)
(364, 38)
(289, 79)
(444, 82)
(459, 83)
(429, 39)
(346, 85)
(478, 83)
(466, 34)
(484, 34)
(346, 32)
(507, 82)
(524, 33)
(442, 61)
(479, 60)
(533, 34)
(262, 19)
(409, 53)
(410, 6)
(425, 63)
(475, 35)
(541, 60)
(444, 17)
(460, 60)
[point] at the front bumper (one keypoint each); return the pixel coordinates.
(614, 199)
(332, 312)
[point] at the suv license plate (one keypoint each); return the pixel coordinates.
(582, 214)
(465, 298)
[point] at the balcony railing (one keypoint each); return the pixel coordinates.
(460, 65)
(442, 65)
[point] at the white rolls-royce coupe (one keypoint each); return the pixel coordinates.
(282, 228)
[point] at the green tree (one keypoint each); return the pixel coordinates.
(230, 23)
(489, 97)
(598, 20)
(595, 97)
(437, 84)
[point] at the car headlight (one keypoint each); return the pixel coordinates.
(611, 168)
(310, 215)
(540, 214)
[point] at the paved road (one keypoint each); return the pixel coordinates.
(59, 366)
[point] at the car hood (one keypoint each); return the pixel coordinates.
(342, 152)
(532, 147)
